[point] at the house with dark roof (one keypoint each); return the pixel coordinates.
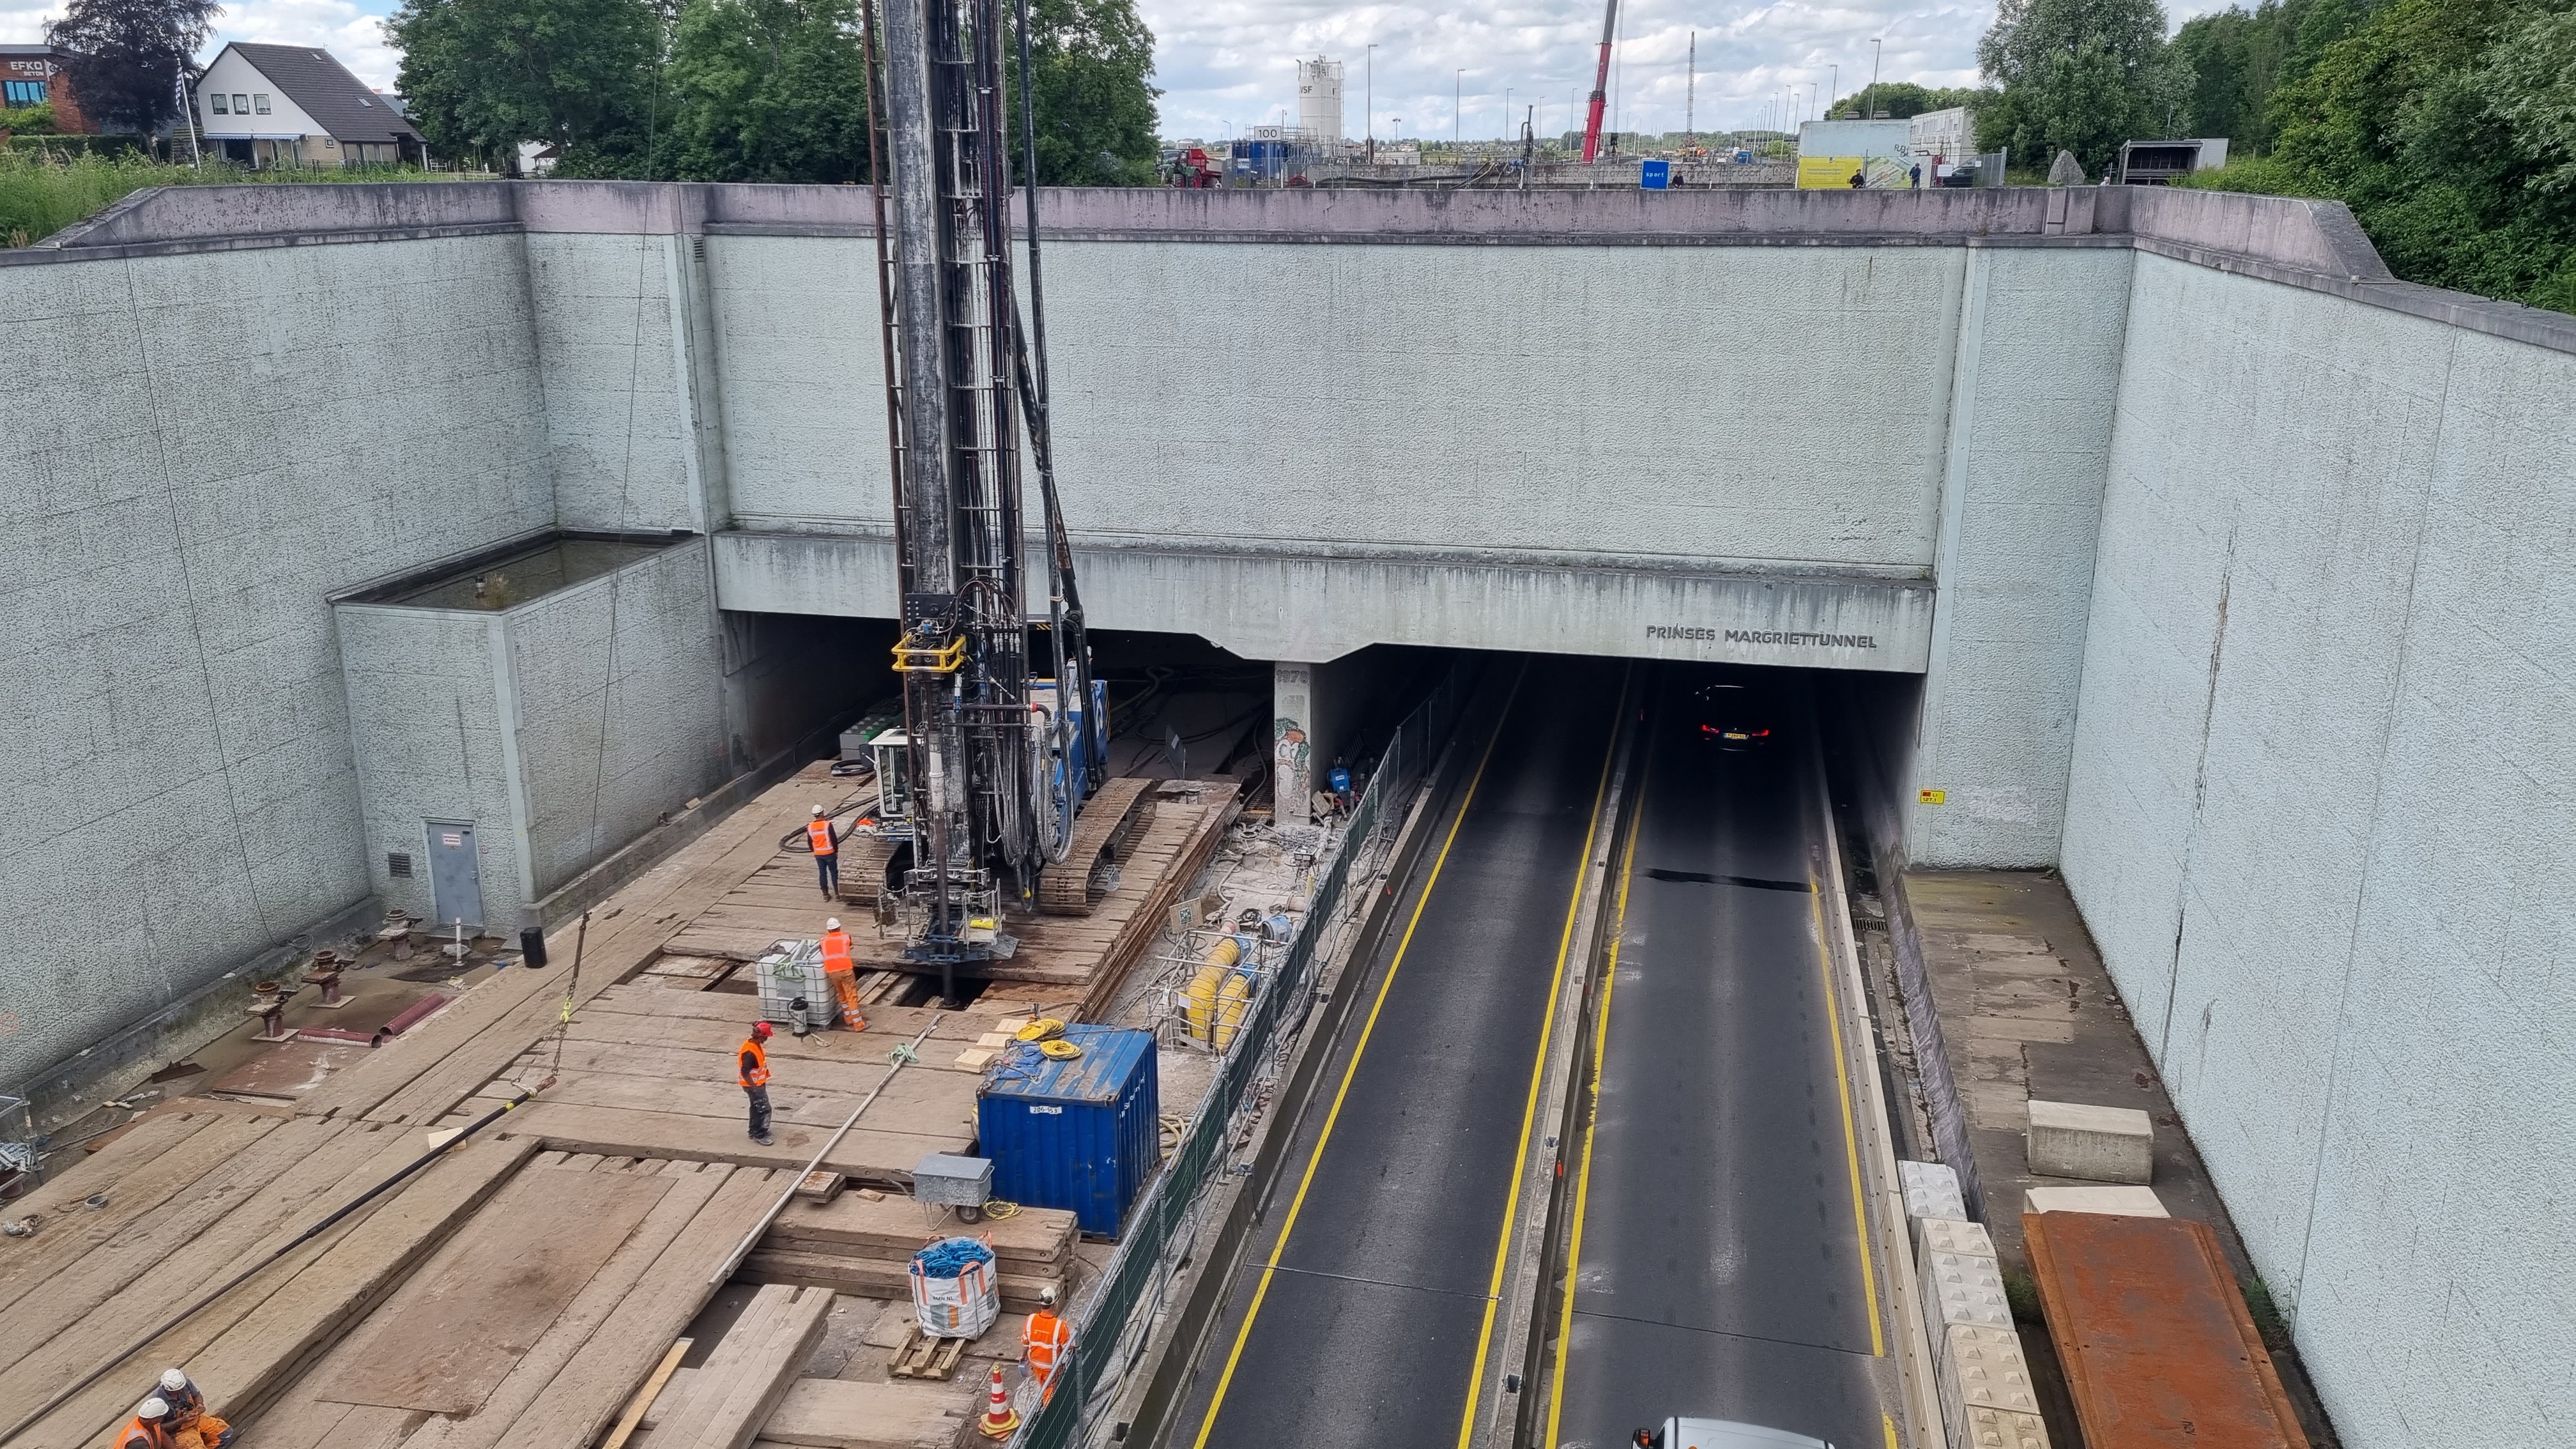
(293, 105)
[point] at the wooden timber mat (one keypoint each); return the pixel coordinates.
(570, 1370)
(422, 1074)
(261, 1182)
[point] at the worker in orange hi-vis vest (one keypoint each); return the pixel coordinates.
(840, 976)
(827, 851)
(753, 1059)
(1044, 1344)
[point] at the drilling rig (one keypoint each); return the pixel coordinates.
(1005, 729)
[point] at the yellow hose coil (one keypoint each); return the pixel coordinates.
(1200, 1007)
(1231, 999)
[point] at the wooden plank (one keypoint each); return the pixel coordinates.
(870, 1156)
(461, 1323)
(898, 1226)
(750, 1370)
(850, 1414)
(787, 1068)
(879, 1278)
(399, 1062)
(936, 1103)
(245, 1346)
(690, 1186)
(232, 1166)
(1145, 923)
(872, 1048)
(613, 1363)
(139, 1172)
(644, 1397)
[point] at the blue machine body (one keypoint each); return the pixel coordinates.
(1071, 766)
(1081, 1135)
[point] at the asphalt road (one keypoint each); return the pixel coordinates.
(1367, 1308)
(1720, 1270)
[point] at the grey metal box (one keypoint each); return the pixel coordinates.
(950, 1181)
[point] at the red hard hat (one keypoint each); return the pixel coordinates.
(761, 1029)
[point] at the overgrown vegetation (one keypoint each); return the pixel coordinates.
(42, 191)
(1904, 100)
(35, 120)
(741, 90)
(2449, 126)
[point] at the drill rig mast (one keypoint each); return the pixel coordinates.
(999, 758)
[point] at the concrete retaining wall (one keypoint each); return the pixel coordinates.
(2320, 806)
(202, 447)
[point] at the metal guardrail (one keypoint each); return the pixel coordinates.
(1108, 1333)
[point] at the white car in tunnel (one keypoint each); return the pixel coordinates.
(1722, 1434)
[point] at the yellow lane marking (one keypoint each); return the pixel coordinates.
(1538, 1071)
(1851, 1139)
(1889, 1421)
(1270, 1268)
(1591, 1121)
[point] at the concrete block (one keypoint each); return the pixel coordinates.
(1931, 1191)
(2129, 1202)
(1949, 1235)
(2098, 1144)
(1983, 1369)
(1997, 1429)
(1962, 1291)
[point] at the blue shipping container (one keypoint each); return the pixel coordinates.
(1081, 1135)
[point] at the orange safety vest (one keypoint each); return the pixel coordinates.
(1046, 1339)
(142, 1433)
(755, 1062)
(836, 951)
(818, 834)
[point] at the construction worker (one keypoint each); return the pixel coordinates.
(148, 1429)
(191, 1427)
(1044, 1344)
(827, 852)
(839, 976)
(754, 1058)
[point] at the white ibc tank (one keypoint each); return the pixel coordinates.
(1319, 98)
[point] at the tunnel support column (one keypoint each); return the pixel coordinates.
(1293, 771)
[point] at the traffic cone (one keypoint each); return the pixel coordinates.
(999, 1417)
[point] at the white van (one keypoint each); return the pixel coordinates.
(1722, 1434)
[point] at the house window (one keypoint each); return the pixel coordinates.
(25, 93)
(241, 104)
(259, 102)
(219, 104)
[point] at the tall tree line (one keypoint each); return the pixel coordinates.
(2449, 126)
(742, 90)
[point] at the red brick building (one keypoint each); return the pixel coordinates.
(29, 76)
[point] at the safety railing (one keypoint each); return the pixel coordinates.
(1109, 1334)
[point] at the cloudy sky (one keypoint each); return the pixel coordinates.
(1233, 61)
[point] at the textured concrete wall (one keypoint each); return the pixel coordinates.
(801, 368)
(603, 312)
(2028, 438)
(2319, 813)
(634, 654)
(202, 447)
(431, 729)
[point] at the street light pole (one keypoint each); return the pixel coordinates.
(1368, 93)
(1506, 134)
(1832, 100)
(1869, 112)
(1458, 108)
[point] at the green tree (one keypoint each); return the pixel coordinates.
(485, 75)
(1902, 100)
(2081, 76)
(126, 58)
(769, 90)
(1095, 98)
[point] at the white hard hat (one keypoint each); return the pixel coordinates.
(831, 923)
(174, 1380)
(1046, 1296)
(152, 1409)
(818, 809)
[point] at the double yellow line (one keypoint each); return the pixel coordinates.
(1350, 1071)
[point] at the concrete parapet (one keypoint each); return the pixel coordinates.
(1952, 1235)
(1985, 1389)
(1931, 1191)
(2097, 1144)
(2128, 1202)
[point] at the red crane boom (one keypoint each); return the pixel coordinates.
(1600, 87)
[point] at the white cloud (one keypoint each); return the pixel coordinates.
(352, 32)
(1229, 60)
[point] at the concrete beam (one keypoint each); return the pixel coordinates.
(1281, 606)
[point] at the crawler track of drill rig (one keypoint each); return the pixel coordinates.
(1104, 834)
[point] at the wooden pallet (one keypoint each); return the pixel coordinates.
(924, 1357)
(1107, 829)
